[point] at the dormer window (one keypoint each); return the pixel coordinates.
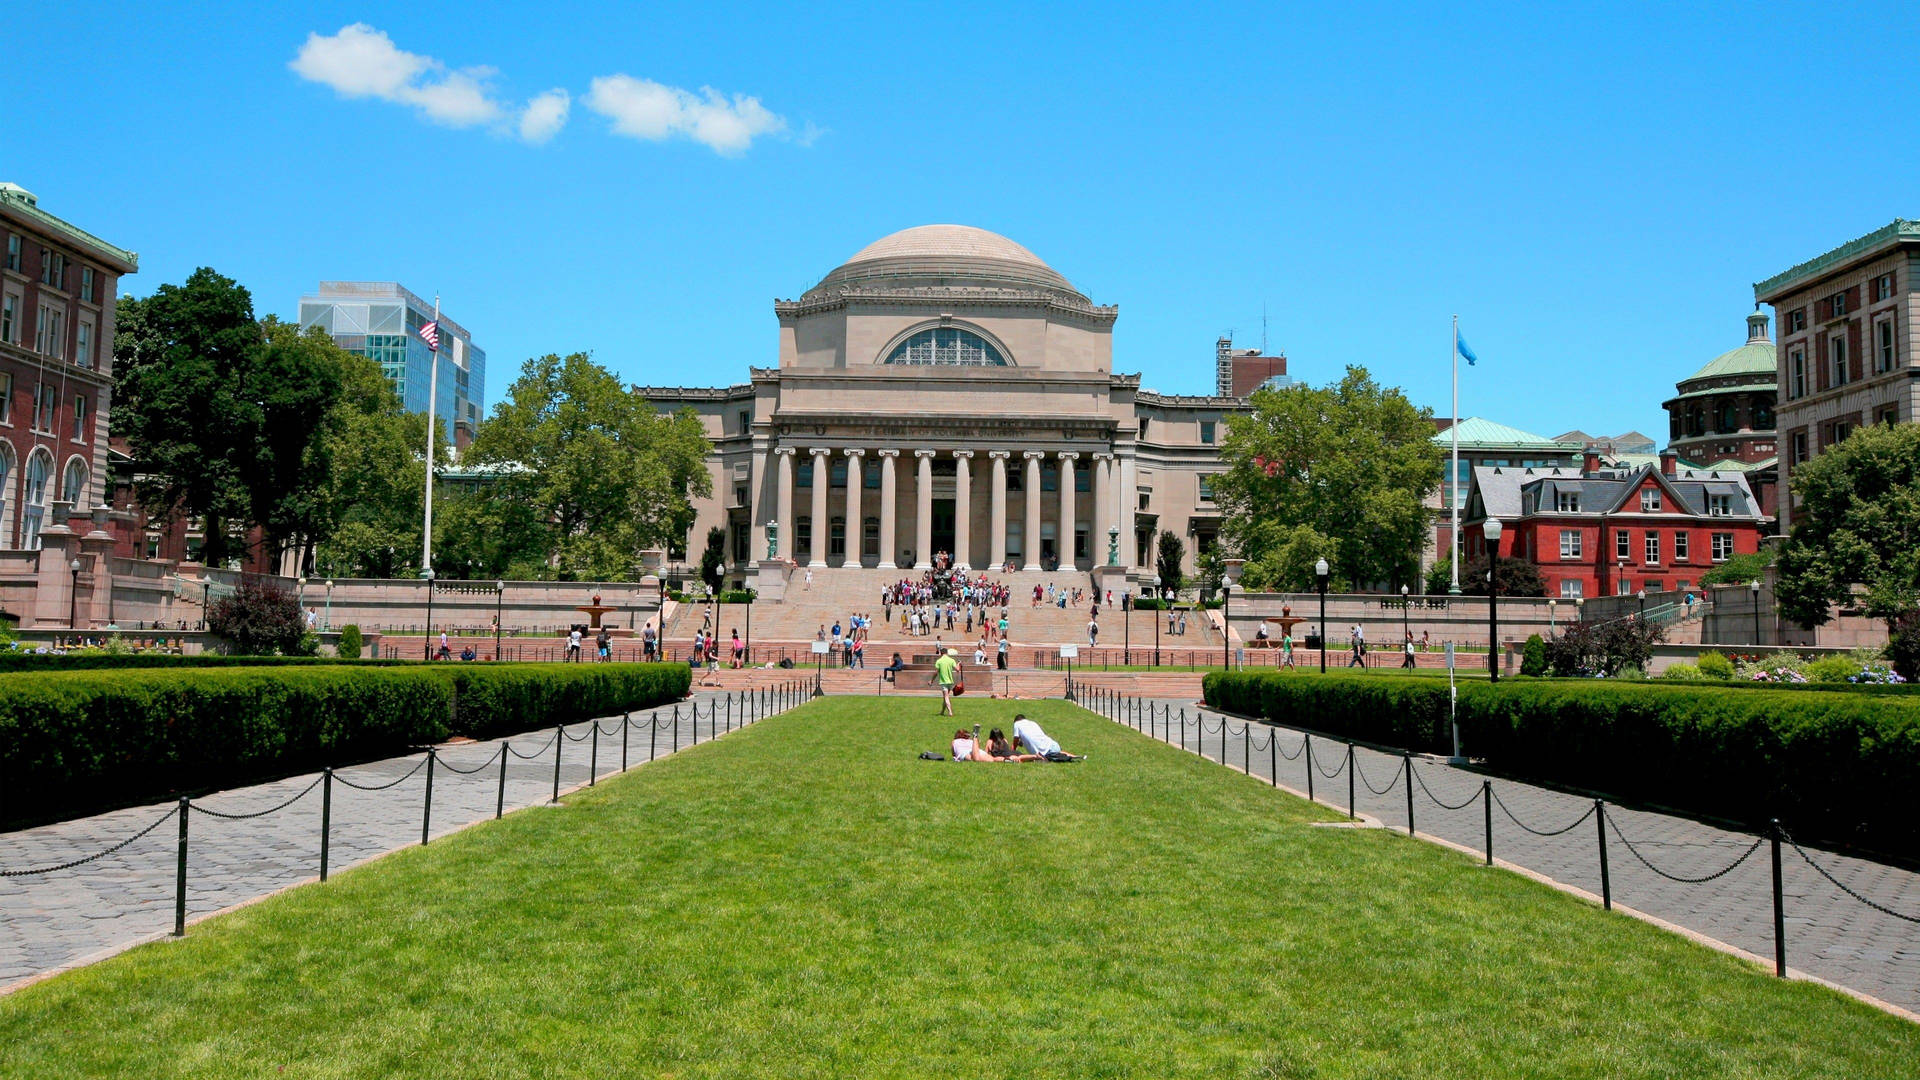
(1650, 500)
(1567, 502)
(1720, 506)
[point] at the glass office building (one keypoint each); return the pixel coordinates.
(381, 320)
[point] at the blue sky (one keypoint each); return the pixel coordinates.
(1592, 189)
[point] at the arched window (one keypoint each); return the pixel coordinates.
(6, 489)
(34, 499)
(73, 482)
(947, 346)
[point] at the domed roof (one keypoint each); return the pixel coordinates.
(947, 256)
(1755, 358)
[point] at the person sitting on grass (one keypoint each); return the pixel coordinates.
(1035, 741)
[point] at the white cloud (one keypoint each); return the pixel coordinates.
(361, 61)
(545, 115)
(644, 109)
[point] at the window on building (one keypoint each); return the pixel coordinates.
(34, 500)
(1836, 305)
(870, 474)
(53, 269)
(1016, 477)
(1837, 352)
(837, 473)
(1624, 587)
(1567, 502)
(1653, 548)
(1883, 346)
(1650, 500)
(1571, 589)
(1796, 320)
(46, 402)
(1143, 429)
(1722, 546)
(1720, 506)
(13, 252)
(1206, 432)
(742, 540)
(870, 537)
(6, 407)
(947, 346)
(1797, 373)
(1887, 414)
(739, 494)
(1726, 418)
(73, 483)
(1837, 432)
(9, 317)
(803, 474)
(86, 284)
(1206, 488)
(1798, 454)
(80, 419)
(1762, 414)
(1569, 543)
(1145, 498)
(1049, 476)
(1883, 287)
(803, 537)
(746, 421)
(1622, 544)
(837, 538)
(83, 344)
(1680, 545)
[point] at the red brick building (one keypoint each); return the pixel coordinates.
(1614, 531)
(1239, 372)
(57, 288)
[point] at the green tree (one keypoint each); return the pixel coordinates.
(1518, 577)
(1285, 556)
(604, 474)
(1167, 559)
(375, 491)
(1353, 462)
(1740, 569)
(259, 618)
(1856, 529)
(714, 558)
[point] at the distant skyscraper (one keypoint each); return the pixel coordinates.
(382, 321)
(1239, 372)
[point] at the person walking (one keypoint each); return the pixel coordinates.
(573, 645)
(1408, 661)
(1286, 648)
(1093, 632)
(1000, 658)
(809, 581)
(945, 670)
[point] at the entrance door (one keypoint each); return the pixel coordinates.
(942, 527)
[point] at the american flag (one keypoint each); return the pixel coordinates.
(430, 334)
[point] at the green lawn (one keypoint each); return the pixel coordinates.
(805, 899)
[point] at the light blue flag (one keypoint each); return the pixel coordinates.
(1461, 344)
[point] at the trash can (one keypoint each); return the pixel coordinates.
(1313, 640)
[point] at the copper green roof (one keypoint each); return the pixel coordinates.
(19, 200)
(1478, 431)
(1750, 359)
(1748, 387)
(1900, 230)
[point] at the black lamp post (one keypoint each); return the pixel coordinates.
(1320, 570)
(1642, 597)
(499, 615)
(1226, 626)
(73, 597)
(427, 576)
(1491, 530)
(1156, 621)
(329, 619)
(1753, 590)
(1406, 620)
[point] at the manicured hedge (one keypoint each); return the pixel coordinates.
(1837, 766)
(99, 661)
(78, 742)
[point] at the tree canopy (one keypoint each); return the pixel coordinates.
(1856, 526)
(1340, 472)
(590, 474)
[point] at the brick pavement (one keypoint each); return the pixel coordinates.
(49, 922)
(1830, 935)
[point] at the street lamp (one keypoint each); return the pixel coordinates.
(329, 620)
(1753, 590)
(427, 576)
(1320, 570)
(1406, 621)
(1226, 626)
(1491, 530)
(73, 596)
(300, 597)
(1156, 621)
(1642, 597)
(499, 614)
(1553, 625)
(749, 643)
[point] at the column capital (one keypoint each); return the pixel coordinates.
(1034, 455)
(1000, 455)
(1069, 455)
(786, 451)
(1102, 456)
(855, 451)
(925, 453)
(821, 451)
(887, 453)
(963, 453)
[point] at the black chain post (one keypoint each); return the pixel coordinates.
(1606, 878)
(626, 726)
(1350, 804)
(1408, 760)
(559, 744)
(326, 815)
(676, 729)
(426, 808)
(1183, 729)
(1223, 739)
(180, 875)
(500, 794)
(593, 754)
(1307, 743)
(1486, 799)
(1273, 755)
(653, 733)
(1779, 905)
(1246, 749)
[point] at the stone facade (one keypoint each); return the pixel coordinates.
(1848, 327)
(970, 389)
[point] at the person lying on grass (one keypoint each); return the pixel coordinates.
(966, 747)
(1001, 750)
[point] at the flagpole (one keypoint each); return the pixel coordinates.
(433, 393)
(1453, 474)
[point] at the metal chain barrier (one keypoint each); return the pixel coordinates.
(1842, 886)
(495, 756)
(1361, 770)
(209, 811)
(164, 818)
(1422, 781)
(1715, 876)
(381, 787)
(1314, 760)
(542, 752)
(1502, 803)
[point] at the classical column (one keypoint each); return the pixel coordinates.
(756, 508)
(1128, 498)
(887, 516)
(822, 482)
(923, 507)
(997, 526)
(1067, 476)
(963, 509)
(1102, 508)
(1030, 553)
(856, 529)
(783, 502)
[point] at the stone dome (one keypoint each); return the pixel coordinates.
(1754, 360)
(947, 257)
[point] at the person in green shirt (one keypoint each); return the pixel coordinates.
(945, 670)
